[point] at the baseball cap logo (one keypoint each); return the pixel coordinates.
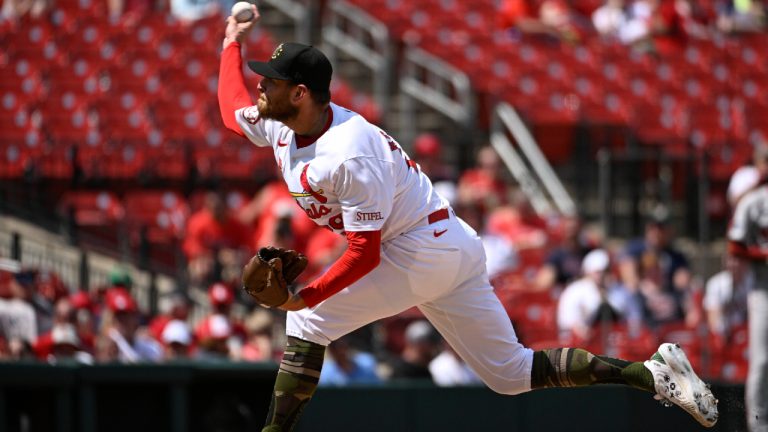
(278, 51)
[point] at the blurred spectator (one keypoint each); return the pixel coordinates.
(49, 288)
(213, 335)
(345, 365)
(268, 213)
(84, 319)
(221, 299)
(215, 238)
(553, 19)
(738, 16)
(695, 18)
(519, 223)
(66, 347)
(658, 271)
(129, 12)
(17, 316)
(65, 314)
(323, 249)
(121, 338)
(421, 346)
(563, 264)
(176, 339)
(654, 26)
(725, 298)
(188, 11)
(500, 255)
(483, 187)
(120, 277)
(12, 10)
(428, 153)
(175, 307)
(448, 369)
(594, 298)
(610, 18)
(258, 345)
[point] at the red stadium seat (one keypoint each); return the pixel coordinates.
(54, 163)
(534, 316)
(234, 199)
(162, 214)
(91, 208)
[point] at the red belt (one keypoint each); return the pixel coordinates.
(438, 216)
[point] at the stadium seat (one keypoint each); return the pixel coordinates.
(160, 215)
(234, 199)
(92, 208)
(534, 315)
(54, 163)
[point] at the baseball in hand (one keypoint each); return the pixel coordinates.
(242, 11)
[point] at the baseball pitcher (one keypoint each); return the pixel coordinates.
(406, 247)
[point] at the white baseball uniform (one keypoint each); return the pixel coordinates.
(355, 177)
(749, 227)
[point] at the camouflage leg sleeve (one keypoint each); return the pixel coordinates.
(575, 367)
(295, 384)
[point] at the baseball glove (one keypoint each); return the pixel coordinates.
(267, 275)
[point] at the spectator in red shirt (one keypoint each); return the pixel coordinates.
(554, 19)
(483, 187)
(276, 219)
(215, 237)
(221, 298)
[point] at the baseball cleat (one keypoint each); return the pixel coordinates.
(677, 383)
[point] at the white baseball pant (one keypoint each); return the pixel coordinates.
(444, 276)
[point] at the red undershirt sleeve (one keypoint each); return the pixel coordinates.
(741, 250)
(233, 94)
(362, 255)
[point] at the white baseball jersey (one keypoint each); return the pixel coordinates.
(355, 177)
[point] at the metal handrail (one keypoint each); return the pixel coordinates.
(432, 81)
(351, 30)
(506, 120)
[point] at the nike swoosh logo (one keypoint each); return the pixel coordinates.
(281, 144)
(439, 233)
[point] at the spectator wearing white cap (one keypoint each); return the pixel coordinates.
(66, 346)
(213, 336)
(177, 339)
(593, 297)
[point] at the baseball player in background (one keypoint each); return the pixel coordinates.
(748, 239)
(406, 247)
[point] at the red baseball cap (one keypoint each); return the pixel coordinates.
(427, 144)
(220, 294)
(118, 300)
(81, 300)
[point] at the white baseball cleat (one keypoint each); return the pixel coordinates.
(677, 383)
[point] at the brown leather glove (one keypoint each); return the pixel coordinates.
(267, 275)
